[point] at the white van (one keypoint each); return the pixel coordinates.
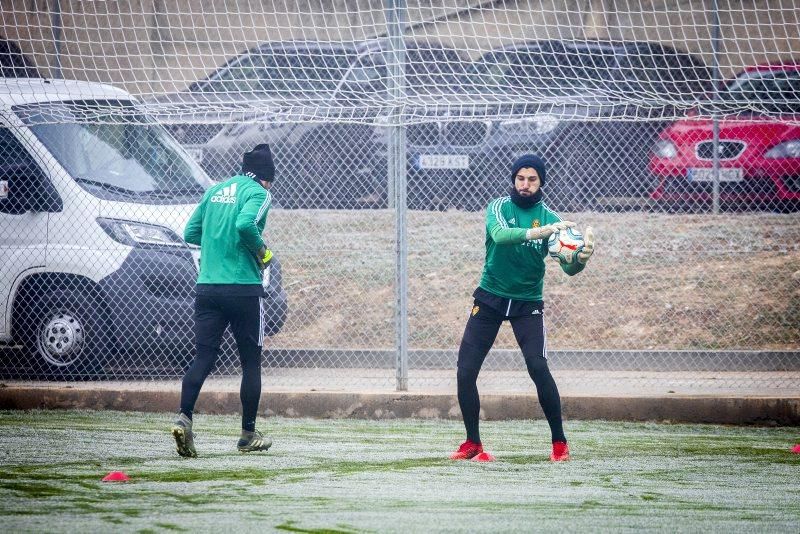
(94, 197)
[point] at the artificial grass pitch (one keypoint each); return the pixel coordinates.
(391, 476)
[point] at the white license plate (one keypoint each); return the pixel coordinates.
(444, 161)
(707, 175)
(196, 154)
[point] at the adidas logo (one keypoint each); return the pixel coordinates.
(226, 196)
(513, 220)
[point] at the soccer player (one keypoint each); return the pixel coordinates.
(510, 289)
(227, 224)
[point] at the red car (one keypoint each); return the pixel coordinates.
(759, 154)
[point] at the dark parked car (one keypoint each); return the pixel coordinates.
(593, 108)
(273, 75)
(13, 63)
(344, 164)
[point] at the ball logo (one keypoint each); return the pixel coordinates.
(475, 310)
(564, 245)
(226, 196)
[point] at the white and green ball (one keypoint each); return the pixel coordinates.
(564, 245)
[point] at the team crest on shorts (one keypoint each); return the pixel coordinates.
(475, 310)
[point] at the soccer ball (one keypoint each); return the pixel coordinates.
(564, 245)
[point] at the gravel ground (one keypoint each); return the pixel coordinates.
(657, 281)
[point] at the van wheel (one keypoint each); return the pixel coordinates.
(65, 335)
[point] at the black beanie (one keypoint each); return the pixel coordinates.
(529, 160)
(257, 163)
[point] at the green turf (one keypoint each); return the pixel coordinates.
(392, 476)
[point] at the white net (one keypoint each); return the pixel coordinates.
(335, 60)
(670, 126)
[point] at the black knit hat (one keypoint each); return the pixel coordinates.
(257, 164)
(529, 160)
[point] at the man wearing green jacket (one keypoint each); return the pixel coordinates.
(510, 289)
(227, 224)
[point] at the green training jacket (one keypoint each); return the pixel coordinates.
(227, 224)
(514, 267)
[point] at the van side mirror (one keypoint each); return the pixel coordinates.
(26, 188)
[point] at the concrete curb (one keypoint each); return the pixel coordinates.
(678, 409)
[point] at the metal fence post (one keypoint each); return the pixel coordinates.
(395, 18)
(716, 35)
(55, 21)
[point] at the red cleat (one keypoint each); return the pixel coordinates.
(483, 457)
(796, 449)
(560, 452)
(467, 450)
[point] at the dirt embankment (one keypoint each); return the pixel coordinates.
(657, 281)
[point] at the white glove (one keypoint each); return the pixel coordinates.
(543, 232)
(588, 246)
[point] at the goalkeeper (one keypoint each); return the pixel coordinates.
(228, 225)
(517, 229)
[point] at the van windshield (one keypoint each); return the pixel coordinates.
(114, 152)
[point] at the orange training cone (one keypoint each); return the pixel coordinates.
(116, 476)
(796, 449)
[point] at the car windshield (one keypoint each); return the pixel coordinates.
(127, 155)
(766, 91)
(286, 72)
(655, 71)
(557, 69)
(428, 70)
(545, 72)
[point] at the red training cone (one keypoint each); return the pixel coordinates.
(116, 476)
(796, 449)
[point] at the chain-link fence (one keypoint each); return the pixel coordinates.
(683, 156)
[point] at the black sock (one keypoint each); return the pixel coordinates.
(469, 401)
(549, 399)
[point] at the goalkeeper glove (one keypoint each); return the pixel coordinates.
(588, 246)
(543, 232)
(264, 257)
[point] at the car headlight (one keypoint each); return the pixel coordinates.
(137, 234)
(787, 149)
(538, 124)
(665, 149)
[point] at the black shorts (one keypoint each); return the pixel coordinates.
(212, 314)
(487, 314)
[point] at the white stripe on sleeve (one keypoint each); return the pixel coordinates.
(264, 207)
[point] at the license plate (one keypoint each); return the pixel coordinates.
(444, 161)
(707, 175)
(196, 154)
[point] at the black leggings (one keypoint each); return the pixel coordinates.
(479, 336)
(212, 314)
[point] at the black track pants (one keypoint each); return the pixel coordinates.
(479, 336)
(212, 314)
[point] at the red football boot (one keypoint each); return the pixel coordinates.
(560, 452)
(483, 457)
(467, 450)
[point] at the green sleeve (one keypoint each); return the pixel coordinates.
(573, 268)
(247, 221)
(194, 228)
(497, 226)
